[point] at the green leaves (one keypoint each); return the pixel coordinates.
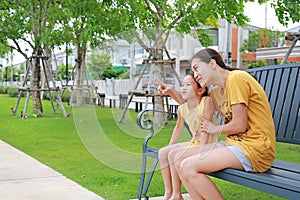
(261, 39)
(287, 10)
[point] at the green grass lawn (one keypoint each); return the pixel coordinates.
(90, 148)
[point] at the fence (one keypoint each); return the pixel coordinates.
(108, 86)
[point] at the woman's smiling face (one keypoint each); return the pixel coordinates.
(202, 72)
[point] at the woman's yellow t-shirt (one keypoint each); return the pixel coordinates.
(259, 141)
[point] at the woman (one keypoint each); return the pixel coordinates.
(250, 144)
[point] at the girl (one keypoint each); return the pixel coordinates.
(197, 104)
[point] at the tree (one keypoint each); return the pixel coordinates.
(44, 24)
(62, 71)
(287, 10)
(98, 64)
(31, 23)
(155, 19)
(85, 24)
(262, 38)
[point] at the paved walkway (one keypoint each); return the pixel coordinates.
(185, 196)
(24, 178)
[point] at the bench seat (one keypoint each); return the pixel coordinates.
(282, 179)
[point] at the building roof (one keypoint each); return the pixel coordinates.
(276, 52)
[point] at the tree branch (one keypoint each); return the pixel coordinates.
(18, 48)
(46, 14)
(140, 42)
(149, 7)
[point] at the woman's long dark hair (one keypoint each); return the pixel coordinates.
(198, 84)
(207, 54)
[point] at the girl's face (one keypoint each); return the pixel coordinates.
(189, 88)
(202, 72)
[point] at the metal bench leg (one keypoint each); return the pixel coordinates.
(150, 175)
(142, 178)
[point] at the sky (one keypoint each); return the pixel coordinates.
(256, 13)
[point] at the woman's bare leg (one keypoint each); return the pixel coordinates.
(193, 170)
(175, 158)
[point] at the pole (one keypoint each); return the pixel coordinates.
(11, 62)
(289, 50)
(239, 54)
(67, 73)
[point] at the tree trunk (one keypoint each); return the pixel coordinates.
(36, 82)
(79, 80)
(49, 69)
(159, 72)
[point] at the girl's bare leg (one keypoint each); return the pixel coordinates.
(193, 170)
(176, 195)
(165, 169)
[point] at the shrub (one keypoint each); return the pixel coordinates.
(12, 91)
(65, 97)
(3, 90)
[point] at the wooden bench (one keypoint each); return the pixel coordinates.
(282, 86)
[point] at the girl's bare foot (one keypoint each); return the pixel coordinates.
(167, 195)
(176, 197)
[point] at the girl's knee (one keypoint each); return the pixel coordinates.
(172, 154)
(163, 153)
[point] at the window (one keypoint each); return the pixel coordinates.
(188, 71)
(213, 33)
(139, 50)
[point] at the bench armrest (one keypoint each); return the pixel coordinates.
(144, 121)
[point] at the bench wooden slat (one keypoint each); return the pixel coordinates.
(269, 83)
(263, 78)
(277, 108)
(295, 103)
(285, 123)
(283, 173)
(274, 90)
(280, 164)
(280, 131)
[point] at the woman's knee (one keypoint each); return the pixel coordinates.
(186, 169)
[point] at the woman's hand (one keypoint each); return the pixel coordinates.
(209, 127)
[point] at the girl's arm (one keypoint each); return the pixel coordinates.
(177, 129)
(238, 124)
(164, 89)
(208, 114)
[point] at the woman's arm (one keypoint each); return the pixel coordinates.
(177, 129)
(208, 114)
(238, 124)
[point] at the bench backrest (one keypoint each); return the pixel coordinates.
(282, 86)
